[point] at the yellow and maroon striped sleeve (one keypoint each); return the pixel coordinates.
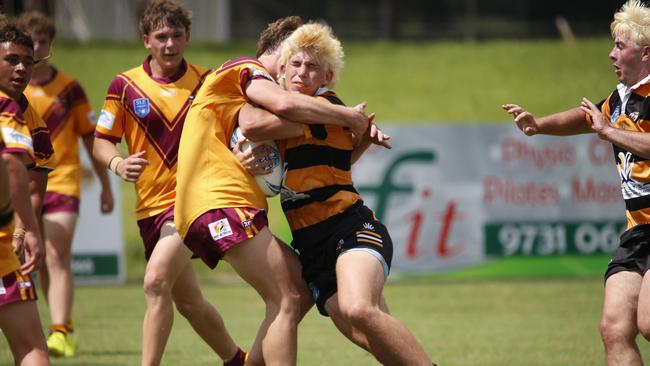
(42, 141)
(15, 132)
(110, 123)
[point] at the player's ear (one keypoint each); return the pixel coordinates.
(645, 53)
(328, 77)
(145, 40)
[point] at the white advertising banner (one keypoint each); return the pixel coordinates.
(97, 248)
(454, 195)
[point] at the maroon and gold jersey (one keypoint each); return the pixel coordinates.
(318, 179)
(149, 113)
(43, 151)
(63, 105)
(209, 174)
(15, 131)
(633, 170)
(8, 260)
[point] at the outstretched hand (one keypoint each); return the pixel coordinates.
(376, 135)
(598, 122)
(359, 121)
(523, 119)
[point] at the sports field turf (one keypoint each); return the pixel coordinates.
(518, 322)
(521, 311)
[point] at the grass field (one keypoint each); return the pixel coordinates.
(518, 311)
(482, 322)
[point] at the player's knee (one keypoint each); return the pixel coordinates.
(57, 254)
(290, 305)
(358, 314)
(155, 285)
(614, 331)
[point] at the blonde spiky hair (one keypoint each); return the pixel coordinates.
(633, 21)
(318, 40)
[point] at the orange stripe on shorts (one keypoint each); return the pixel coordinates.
(243, 218)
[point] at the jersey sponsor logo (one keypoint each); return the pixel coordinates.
(12, 136)
(220, 229)
(168, 92)
(106, 119)
(368, 226)
(255, 72)
(141, 107)
(617, 112)
(25, 284)
(37, 92)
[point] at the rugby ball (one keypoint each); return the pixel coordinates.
(269, 183)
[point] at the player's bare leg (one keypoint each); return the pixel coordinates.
(643, 314)
(21, 326)
(202, 316)
(165, 265)
(59, 286)
(618, 325)
(360, 280)
(354, 335)
(262, 262)
(306, 301)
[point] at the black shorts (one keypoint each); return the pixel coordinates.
(354, 229)
(633, 253)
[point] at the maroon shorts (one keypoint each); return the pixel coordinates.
(150, 229)
(15, 287)
(218, 230)
(56, 202)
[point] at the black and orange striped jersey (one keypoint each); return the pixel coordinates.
(318, 179)
(634, 170)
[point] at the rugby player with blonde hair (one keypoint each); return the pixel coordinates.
(344, 250)
(622, 118)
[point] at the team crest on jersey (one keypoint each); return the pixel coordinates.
(617, 112)
(220, 229)
(141, 107)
